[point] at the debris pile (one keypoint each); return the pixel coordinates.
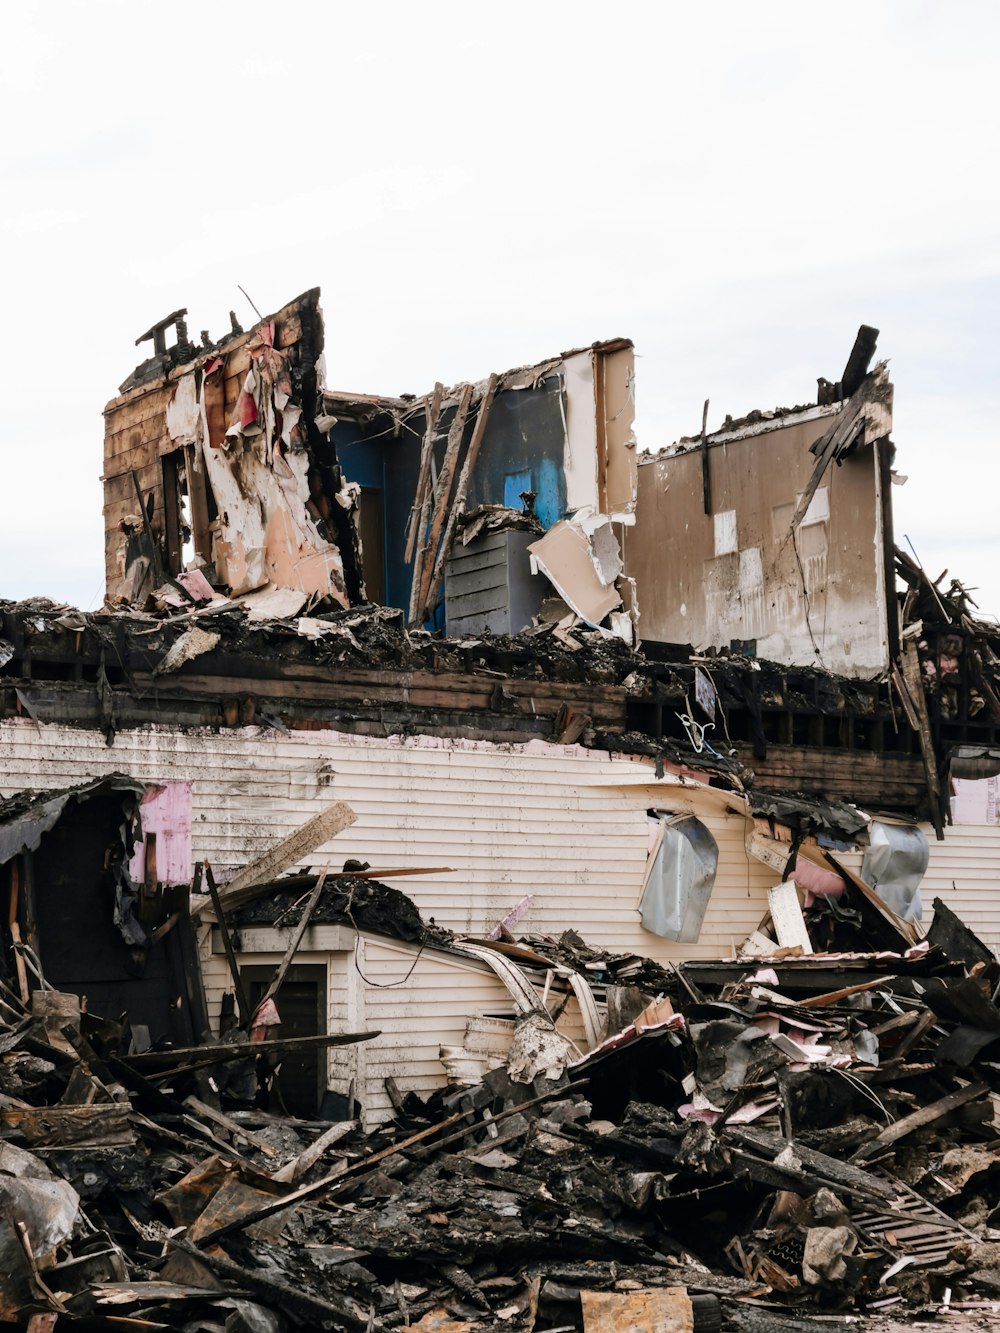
(758, 1136)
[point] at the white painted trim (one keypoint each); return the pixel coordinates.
(276, 939)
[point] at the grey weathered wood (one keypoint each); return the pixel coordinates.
(462, 489)
(312, 834)
(420, 499)
(431, 559)
(464, 584)
(489, 600)
(501, 595)
(926, 1115)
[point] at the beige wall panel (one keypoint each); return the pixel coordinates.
(732, 574)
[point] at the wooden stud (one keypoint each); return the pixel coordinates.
(462, 489)
(442, 495)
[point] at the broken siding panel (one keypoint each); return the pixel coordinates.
(694, 588)
(513, 821)
(964, 872)
(430, 1009)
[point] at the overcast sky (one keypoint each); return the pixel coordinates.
(736, 187)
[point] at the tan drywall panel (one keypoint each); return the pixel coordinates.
(696, 586)
(618, 370)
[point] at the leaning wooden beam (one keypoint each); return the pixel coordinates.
(839, 433)
(242, 1004)
(293, 944)
(238, 1050)
(321, 828)
(462, 489)
(423, 476)
(442, 495)
(915, 689)
(15, 930)
(926, 1115)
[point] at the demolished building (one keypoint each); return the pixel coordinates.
(475, 647)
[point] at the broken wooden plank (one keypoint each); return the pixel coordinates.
(312, 834)
(851, 419)
(925, 1115)
(239, 1050)
(915, 689)
(105, 1124)
(462, 489)
(922, 1025)
(224, 1122)
(413, 526)
(831, 1170)
(242, 1003)
(442, 495)
(308, 1158)
(14, 927)
(835, 996)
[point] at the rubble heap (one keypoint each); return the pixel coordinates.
(754, 1139)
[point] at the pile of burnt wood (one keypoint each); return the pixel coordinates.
(762, 1140)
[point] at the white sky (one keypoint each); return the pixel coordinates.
(736, 187)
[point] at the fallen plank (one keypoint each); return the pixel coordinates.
(292, 1298)
(104, 1125)
(239, 1050)
(835, 996)
(312, 834)
(831, 1169)
(207, 1112)
(291, 1171)
(926, 1115)
(665, 1309)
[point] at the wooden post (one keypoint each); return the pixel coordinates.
(441, 497)
(462, 489)
(15, 929)
(706, 479)
(423, 476)
(915, 689)
(295, 941)
(241, 1000)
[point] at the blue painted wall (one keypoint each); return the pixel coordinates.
(522, 450)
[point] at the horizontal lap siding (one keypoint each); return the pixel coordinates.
(512, 821)
(561, 825)
(425, 1010)
(964, 872)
